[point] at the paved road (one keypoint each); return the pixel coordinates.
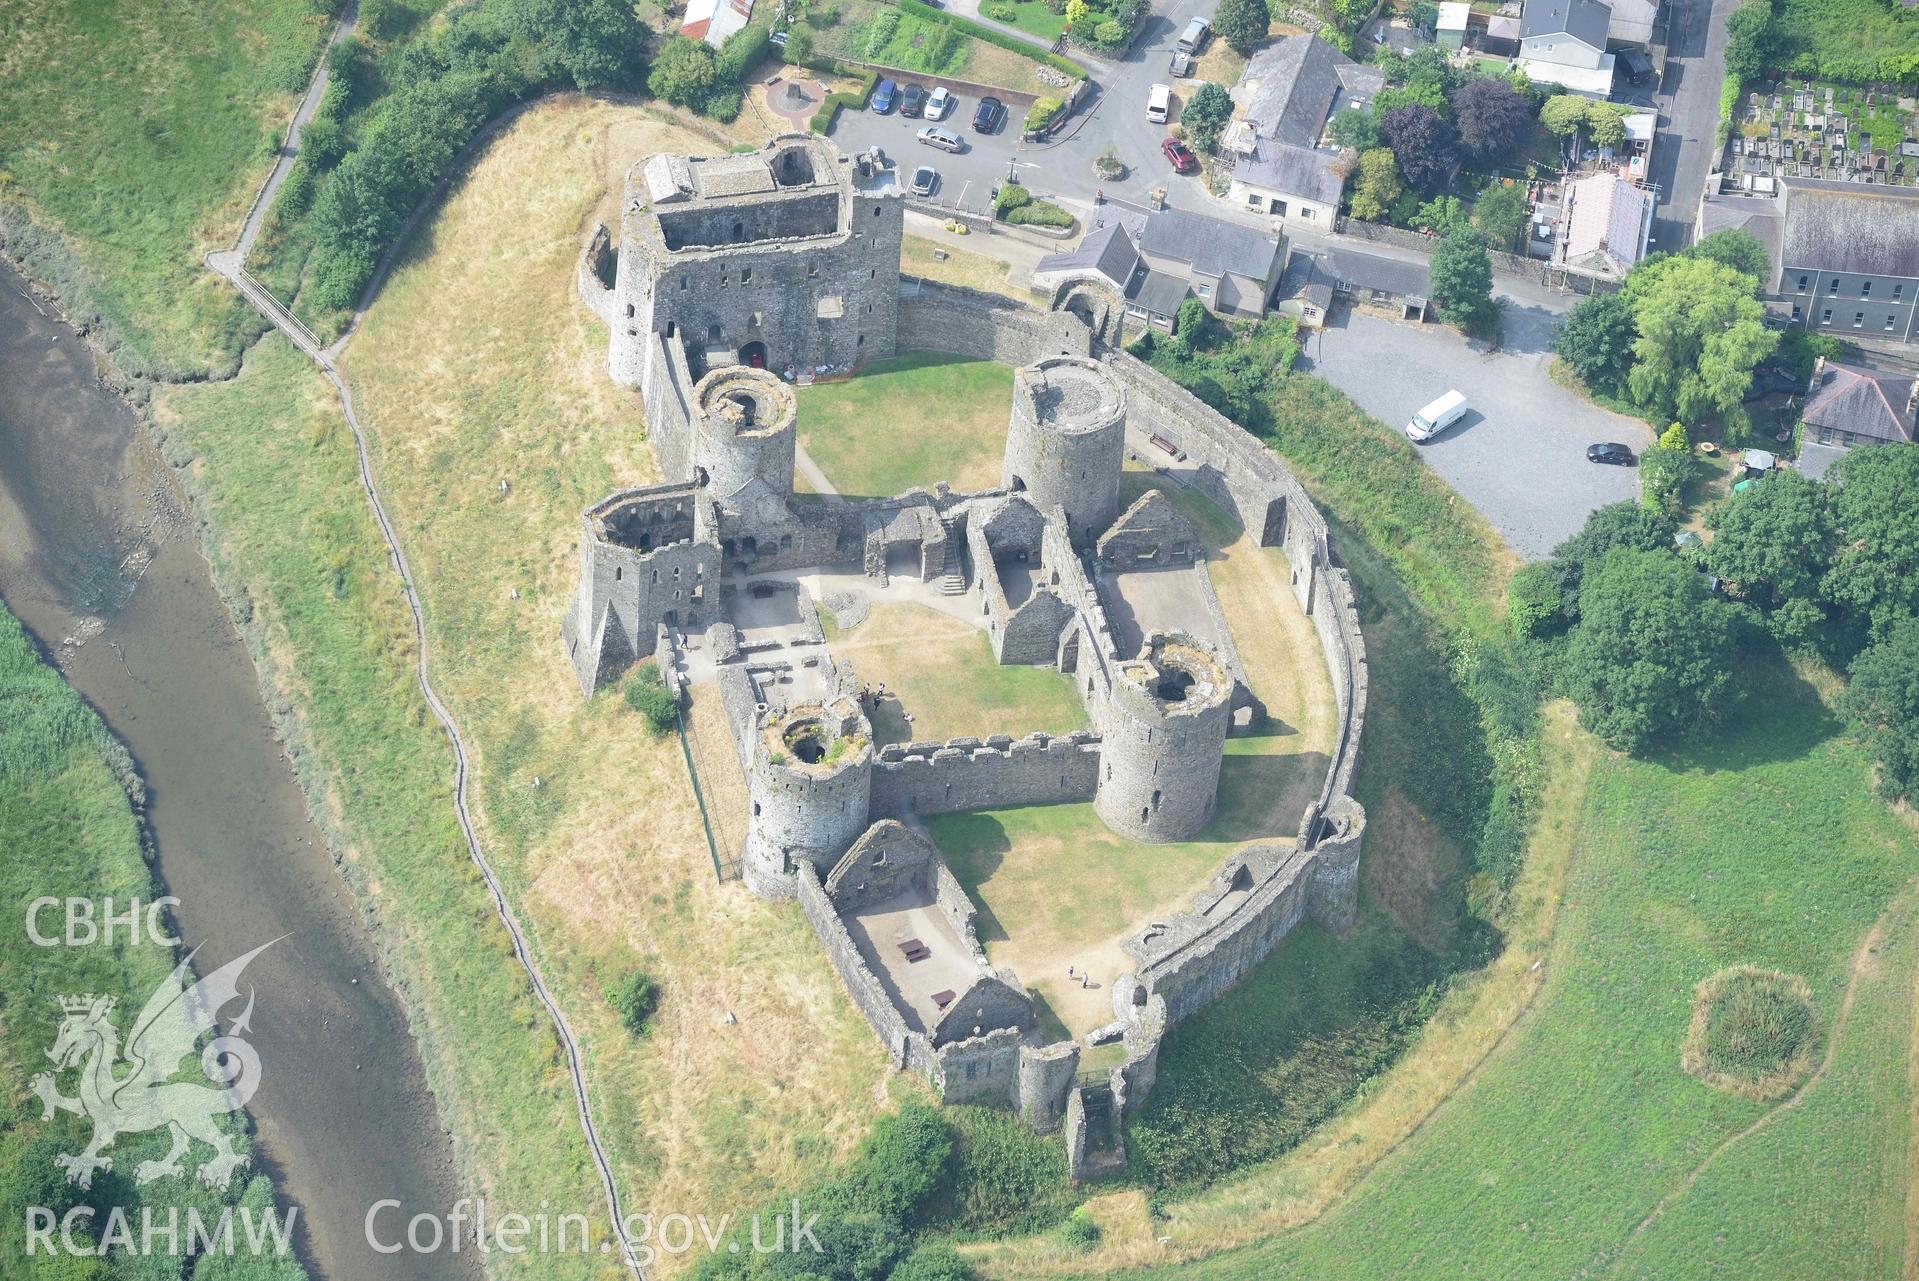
(1519, 454)
(1688, 98)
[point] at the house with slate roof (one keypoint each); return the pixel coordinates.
(1851, 406)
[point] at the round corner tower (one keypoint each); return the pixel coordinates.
(743, 429)
(1066, 443)
(1163, 741)
(809, 786)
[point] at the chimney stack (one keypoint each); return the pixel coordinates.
(1818, 369)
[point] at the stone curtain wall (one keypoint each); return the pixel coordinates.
(907, 1048)
(667, 385)
(973, 774)
(966, 322)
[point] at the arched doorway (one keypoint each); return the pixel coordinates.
(754, 354)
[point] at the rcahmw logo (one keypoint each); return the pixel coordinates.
(129, 1089)
(161, 1232)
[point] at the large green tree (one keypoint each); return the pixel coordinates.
(1882, 701)
(1736, 248)
(1462, 276)
(1378, 187)
(1875, 567)
(1651, 659)
(1500, 212)
(1772, 545)
(1596, 340)
(1615, 525)
(1242, 23)
(1701, 333)
(1750, 41)
(683, 72)
(1205, 115)
(598, 43)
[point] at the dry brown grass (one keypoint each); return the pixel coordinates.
(477, 365)
(961, 267)
(1473, 1023)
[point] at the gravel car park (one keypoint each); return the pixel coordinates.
(1518, 454)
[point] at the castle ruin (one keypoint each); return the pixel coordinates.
(735, 277)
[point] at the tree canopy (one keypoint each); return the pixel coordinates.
(1205, 114)
(598, 43)
(1378, 186)
(1596, 340)
(1492, 117)
(1242, 23)
(1701, 332)
(1772, 545)
(1500, 212)
(1462, 276)
(1750, 39)
(1875, 565)
(1354, 127)
(683, 72)
(1651, 658)
(1736, 248)
(1425, 145)
(1614, 525)
(1882, 701)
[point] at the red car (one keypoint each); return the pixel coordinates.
(1181, 158)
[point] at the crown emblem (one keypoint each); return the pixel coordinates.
(82, 1004)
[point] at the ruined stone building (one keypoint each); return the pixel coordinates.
(736, 276)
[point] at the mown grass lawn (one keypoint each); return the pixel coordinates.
(139, 134)
(1034, 17)
(1767, 848)
(913, 420)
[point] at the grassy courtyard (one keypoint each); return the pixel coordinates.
(139, 137)
(942, 671)
(912, 420)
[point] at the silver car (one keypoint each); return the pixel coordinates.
(925, 180)
(944, 139)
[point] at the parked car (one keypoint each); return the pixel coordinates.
(939, 103)
(1610, 452)
(1436, 417)
(1194, 38)
(912, 100)
(1159, 104)
(944, 139)
(1181, 65)
(988, 115)
(883, 95)
(1179, 155)
(926, 180)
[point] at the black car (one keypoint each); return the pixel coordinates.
(1610, 452)
(912, 100)
(986, 119)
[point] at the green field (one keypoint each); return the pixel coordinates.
(1767, 848)
(139, 135)
(69, 827)
(1034, 17)
(912, 420)
(1857, 41)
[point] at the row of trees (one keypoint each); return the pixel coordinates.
(440, 89)
(689, 73)
(1432, 119)
(1682, 337)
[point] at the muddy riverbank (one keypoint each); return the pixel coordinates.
(98, 560)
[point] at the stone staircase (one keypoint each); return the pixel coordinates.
(951, 580)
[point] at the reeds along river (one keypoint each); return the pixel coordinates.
(98, 560)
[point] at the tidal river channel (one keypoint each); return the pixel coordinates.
(98, 559)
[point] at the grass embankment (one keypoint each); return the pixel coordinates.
(909, 421)
(942, 670)
(960, 267)
(1768, 848)
(70, 828)
(140, 138)
(478, 365)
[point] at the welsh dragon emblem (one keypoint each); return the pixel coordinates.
(130, 1089)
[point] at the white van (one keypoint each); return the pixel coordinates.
(1436, 417)
(1159, 104)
